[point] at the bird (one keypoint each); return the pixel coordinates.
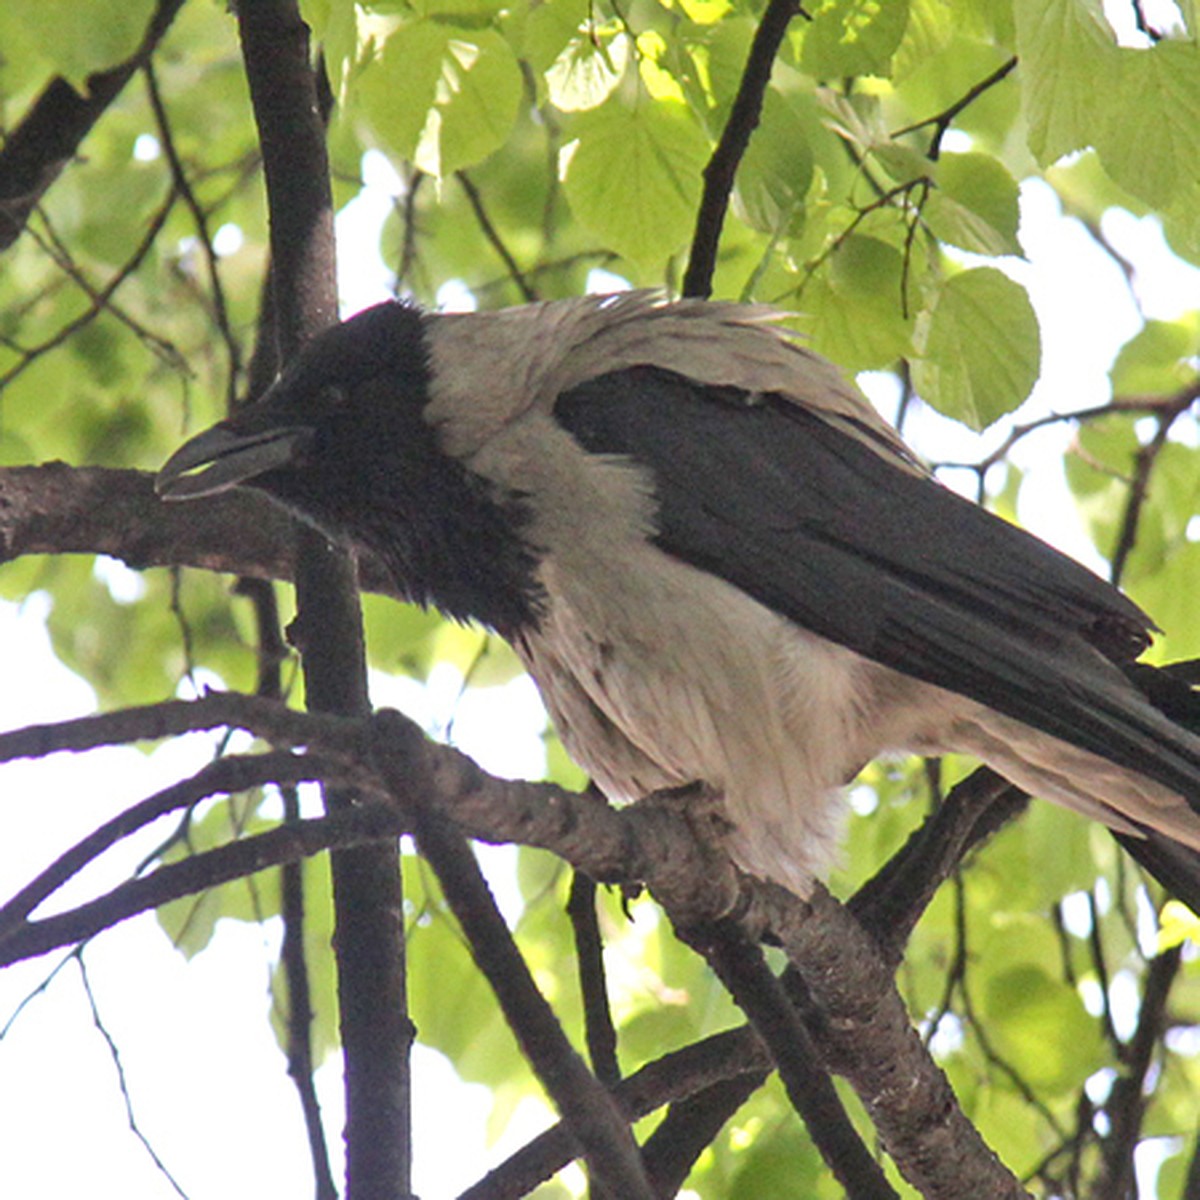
(726, 573)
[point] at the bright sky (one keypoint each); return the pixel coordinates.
(205, 1080)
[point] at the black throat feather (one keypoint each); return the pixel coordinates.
(377, 476)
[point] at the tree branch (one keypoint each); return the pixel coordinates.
(863, 1028)
(599, 1030)
(721, 169)
(236, 860)
(369, 946)
(740, 966)
(733, 1056)
(585, 1104)
(50, 134)
(57, 509)
(233, 773)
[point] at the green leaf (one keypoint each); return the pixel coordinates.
(401, 638)
(1068, 63)
(444, 97)
(1170, 596)
(78, 37)
(853, 37)
(191, 920)
(975, 205)
(980, 348)
(777, 169)
(1156, 361)
(587, 72)
(632, 175)
(1149, 130)
(452, 1006)
(1088, 191)
(1040, 1026)
(852, 309)
(548, 31)
(481, 658)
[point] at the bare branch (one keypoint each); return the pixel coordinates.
(56, 509)
(183, 186)
(475, 200)
(864, 1029)
(740, 966)
(584, 1102)
(100, 301)
(736, 1055)
(599, 1030)
(943, 120)
(376, 1033)
(234, 773)
(172, 882)
(115, 1054)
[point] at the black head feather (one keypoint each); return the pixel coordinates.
(360, 461)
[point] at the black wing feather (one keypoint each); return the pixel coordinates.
(818, 526)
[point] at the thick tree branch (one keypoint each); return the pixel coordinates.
(56, 509)
(903, 1090)
(368, 897)
(862, 1027)
(740, 966)
(50, 134)
(584, 1102)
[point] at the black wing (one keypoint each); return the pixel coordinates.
(818, 526)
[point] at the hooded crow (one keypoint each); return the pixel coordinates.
(719, 564)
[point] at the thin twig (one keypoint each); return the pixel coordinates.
(220, 310)
(943, 120)
(115, 1055)
(99, 299)
(475, 200)
(721, 169)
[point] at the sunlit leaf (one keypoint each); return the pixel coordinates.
(980, 348)
(1150, 155)
(853, 37)
(1068, 61)
(632, 175)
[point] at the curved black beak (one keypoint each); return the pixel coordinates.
(221, 458)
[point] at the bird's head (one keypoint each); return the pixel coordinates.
(342, 441)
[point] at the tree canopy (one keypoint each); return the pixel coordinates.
(1004, 1002)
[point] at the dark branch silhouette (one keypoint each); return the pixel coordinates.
(376, 1032)
(50, 134)
(721, 170)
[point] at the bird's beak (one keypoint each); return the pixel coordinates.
(220, 458)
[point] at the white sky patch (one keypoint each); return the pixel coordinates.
(363, 277)
(229, 239)
(146, 148)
